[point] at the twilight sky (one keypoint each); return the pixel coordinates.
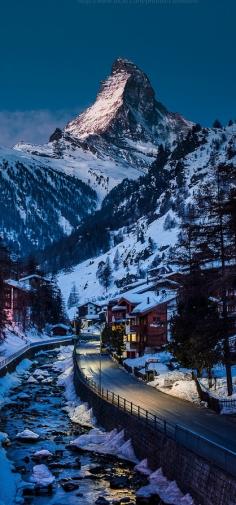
(54, 53)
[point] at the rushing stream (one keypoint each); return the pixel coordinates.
(80, 477)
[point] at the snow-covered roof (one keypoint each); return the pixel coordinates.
(16, 284)
(88, 303)
(33, 276)
(132, 297)
(92, 317)
(60, 325)
(151, 300)
(119, 307)
(167, 281)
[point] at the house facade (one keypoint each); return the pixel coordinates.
(18, 298)
(144, 319)
(17, 302)
(88, 309)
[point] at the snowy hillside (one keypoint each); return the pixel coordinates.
(38, 203)
(130, 262)
(150, 217)
(56, 185)
(69, 157)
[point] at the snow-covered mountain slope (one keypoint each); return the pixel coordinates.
(68, 156)
(124, 160)
(118, 136)
(130, 261)
(46, 190)
(142, 217)
(39, 204)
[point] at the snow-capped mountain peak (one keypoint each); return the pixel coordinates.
(126, 108)
(97, 118)
(95, 160)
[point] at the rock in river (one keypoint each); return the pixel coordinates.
(28, 436)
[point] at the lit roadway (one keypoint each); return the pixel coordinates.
(216, 428)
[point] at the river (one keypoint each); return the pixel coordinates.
(94, 477)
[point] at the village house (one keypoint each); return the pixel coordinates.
(33, 281)
(17, 302)
(18, 297)
(144, 319)
(91, 313)
(60, 330)
(88, 309)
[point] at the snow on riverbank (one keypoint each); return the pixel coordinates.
(177, 383)
(42, 476)
(112, 443)
(11, 380)
(77, 411)
(15, 339)
(159, 485)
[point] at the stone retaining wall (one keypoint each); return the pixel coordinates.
(30, 353)
(206, 483)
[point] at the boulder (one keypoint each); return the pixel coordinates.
(27, 436)
(69, 486)
(101, 501)
(42, 476)
(120, 482)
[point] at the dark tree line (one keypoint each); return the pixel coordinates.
(206, 252)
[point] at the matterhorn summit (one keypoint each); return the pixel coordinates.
(82, 166)
(126, 110)
(123, 129)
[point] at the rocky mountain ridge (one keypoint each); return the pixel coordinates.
(125, 159)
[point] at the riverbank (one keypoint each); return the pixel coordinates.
(44, 402)
(37, 403)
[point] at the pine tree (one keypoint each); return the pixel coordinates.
(151, 245)
(186, 253)
(6, 263)
(117, 339)
(116, 259)
(6, 269)
(207, 237)
(73, 299)
(196, 327)
(217, 124)
(106, 335)
(31, 266)
(104, 273)
(47, 305)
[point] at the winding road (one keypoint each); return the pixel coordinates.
(219, 429)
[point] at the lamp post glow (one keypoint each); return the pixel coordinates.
(100, 364)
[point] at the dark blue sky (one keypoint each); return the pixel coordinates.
(54, 53)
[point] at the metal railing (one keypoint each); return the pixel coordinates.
(41, 343)
(216, 454)
(214, 403)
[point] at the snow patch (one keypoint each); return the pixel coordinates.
(42, 476)
(112, 442)
(166, 490)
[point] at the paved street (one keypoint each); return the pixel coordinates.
(216, 428)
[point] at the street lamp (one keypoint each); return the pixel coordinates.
(100, 364)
